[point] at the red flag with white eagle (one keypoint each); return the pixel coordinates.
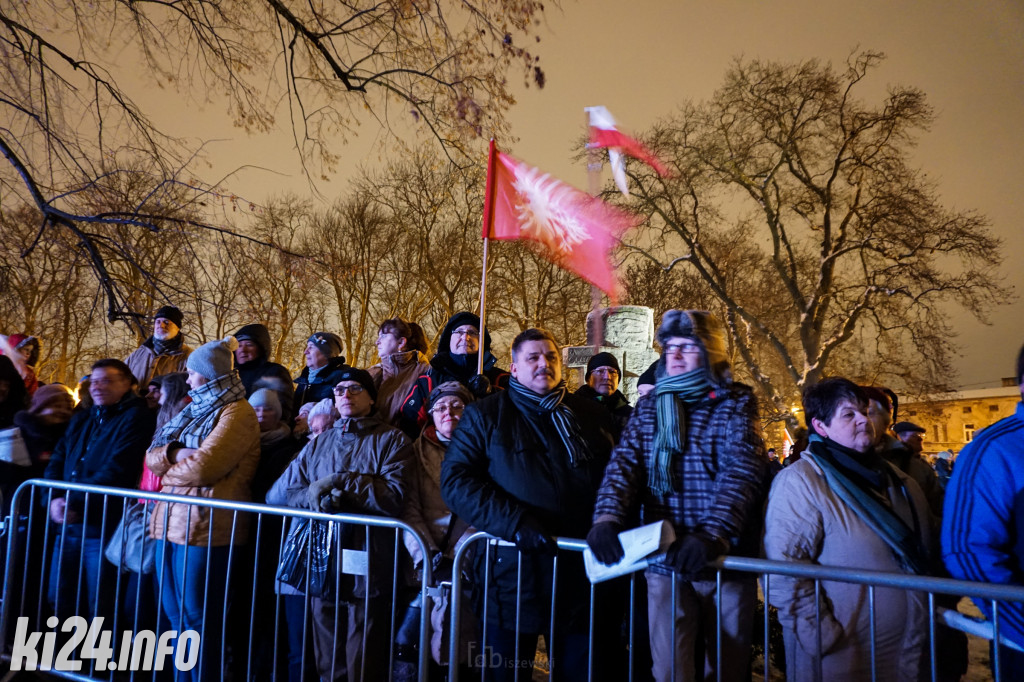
(577, 231)
(603, 133)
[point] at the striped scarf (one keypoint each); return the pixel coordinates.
(674, 395)
(193, 424)
(561, 416)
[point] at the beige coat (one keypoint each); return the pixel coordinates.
(806, 522)
(146, 364)
(222, 469)
(394, 377)
(424, 509)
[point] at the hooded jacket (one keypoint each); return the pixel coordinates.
(446, 366)
(280, 379)
(145, 363)
(395, 375)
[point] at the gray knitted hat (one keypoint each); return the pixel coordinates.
(266, 398)
(213, 359)
(708, 332)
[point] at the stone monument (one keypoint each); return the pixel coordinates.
(628, 335)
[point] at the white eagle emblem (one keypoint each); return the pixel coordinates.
(548, 209)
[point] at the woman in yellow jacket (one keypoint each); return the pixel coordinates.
(210, 450)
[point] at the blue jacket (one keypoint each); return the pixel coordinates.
(981, 538)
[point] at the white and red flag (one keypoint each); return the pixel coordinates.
(577, 231)
(603, 133)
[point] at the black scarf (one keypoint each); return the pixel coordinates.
(167, 346)
(561, 416)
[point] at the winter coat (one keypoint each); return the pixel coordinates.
(103, 446)
(445, 367)
(322, 385)
(395, 377)
(277, 450)
(278, 376)
(425, 509)
(373, 460)
(222, 469)
(807, 522)
(146, 364)
(503, 464)
(723, 472)
(615, 404)
(981, 536)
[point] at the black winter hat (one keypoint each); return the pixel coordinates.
(908, 427)
(258, 334)
(169, 312)
(456, 321)
(360, 376)
(602, 360)
(648, 377)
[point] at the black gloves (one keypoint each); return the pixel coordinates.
(690, 553)
(532, 538)
(442, 567)
(479, 386)
(603, 540)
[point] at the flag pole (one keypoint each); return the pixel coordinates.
(488, 227)
(594, 187)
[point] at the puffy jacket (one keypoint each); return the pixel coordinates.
(104, 446)
(722, 474)
(807, 522)
(395, 376)
(146, 364)
(321, 386)
(222, 470)
(373, 460)
(502, 464)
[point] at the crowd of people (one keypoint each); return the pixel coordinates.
(451, 450)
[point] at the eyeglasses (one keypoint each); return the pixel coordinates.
(351, 390)
(450, 408)
(676, 348)
(471, 333)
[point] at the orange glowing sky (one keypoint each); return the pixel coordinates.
(641, 58)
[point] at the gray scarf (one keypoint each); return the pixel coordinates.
(674, 395)
(193, 424)
(561, 416)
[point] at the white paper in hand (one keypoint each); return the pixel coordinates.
(640, 545)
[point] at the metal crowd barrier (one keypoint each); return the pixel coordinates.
(727, 566)
(36, 549)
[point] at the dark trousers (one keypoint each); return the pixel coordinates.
(301, 663)
(192, 583)
(351, 639)
(82, 582)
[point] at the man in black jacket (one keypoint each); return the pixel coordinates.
(252, 360)
(524, 464)
(602, 377)
(105, 445)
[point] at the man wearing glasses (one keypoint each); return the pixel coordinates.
(357, 467)
(692, 455)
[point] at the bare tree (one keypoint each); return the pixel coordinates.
(795, 204)
(69, 119)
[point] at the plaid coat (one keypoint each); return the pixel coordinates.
(723, 473)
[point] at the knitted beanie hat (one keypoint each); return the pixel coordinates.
(267, 399)
(360, 376)
(169, 312)
(602, 360)
(213, 359)
(449, 388)
(329, 344)
(50, 395)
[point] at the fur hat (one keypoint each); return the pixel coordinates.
(708, 332)
(449, 388)
(267, 398)
(169, 312)
(360, 376)
(329, 344)
(23, 341)
(213, 359)
(602, 360)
